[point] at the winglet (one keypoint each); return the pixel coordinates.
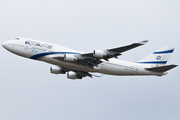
(143, 42)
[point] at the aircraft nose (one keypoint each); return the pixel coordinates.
(5, 44)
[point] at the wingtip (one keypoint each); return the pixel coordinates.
(175, 65)
(143, 42)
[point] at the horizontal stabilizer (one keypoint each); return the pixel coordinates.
(162, 68)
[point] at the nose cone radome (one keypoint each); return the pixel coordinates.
(8, 46)
(5, 45)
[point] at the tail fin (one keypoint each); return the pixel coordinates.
(158, 58)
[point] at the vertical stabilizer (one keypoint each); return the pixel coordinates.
(159, 57)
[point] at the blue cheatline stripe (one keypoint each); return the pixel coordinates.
(35, 57)
(163, 52)
(154, 62)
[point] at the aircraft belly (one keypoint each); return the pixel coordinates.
(114, 69)
(123, 69)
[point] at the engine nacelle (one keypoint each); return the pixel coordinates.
(57, 70)
(73, 75)
(99, 54)
(69, 58)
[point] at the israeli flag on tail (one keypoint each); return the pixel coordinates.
(159, 57)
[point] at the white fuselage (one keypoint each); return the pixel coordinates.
(43, 51)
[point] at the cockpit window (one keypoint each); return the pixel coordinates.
(27, 43)
(17, 38)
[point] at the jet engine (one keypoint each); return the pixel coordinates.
(57, 70)
(70, 58)
(73, 75)
(99, 54)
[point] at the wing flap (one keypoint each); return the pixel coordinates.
(162, 68)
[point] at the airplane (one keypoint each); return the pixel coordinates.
(81, 64)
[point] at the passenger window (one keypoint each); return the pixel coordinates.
(49, 47)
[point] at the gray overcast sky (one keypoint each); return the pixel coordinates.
(28, 91)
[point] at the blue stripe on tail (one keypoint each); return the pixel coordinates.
(164, 52)
(154, 62)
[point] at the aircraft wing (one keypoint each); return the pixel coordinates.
(114, 52)
(127, 47)
(94, 58)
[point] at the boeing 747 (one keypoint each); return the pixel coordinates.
(79, 64)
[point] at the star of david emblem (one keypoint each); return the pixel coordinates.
(158, 58)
